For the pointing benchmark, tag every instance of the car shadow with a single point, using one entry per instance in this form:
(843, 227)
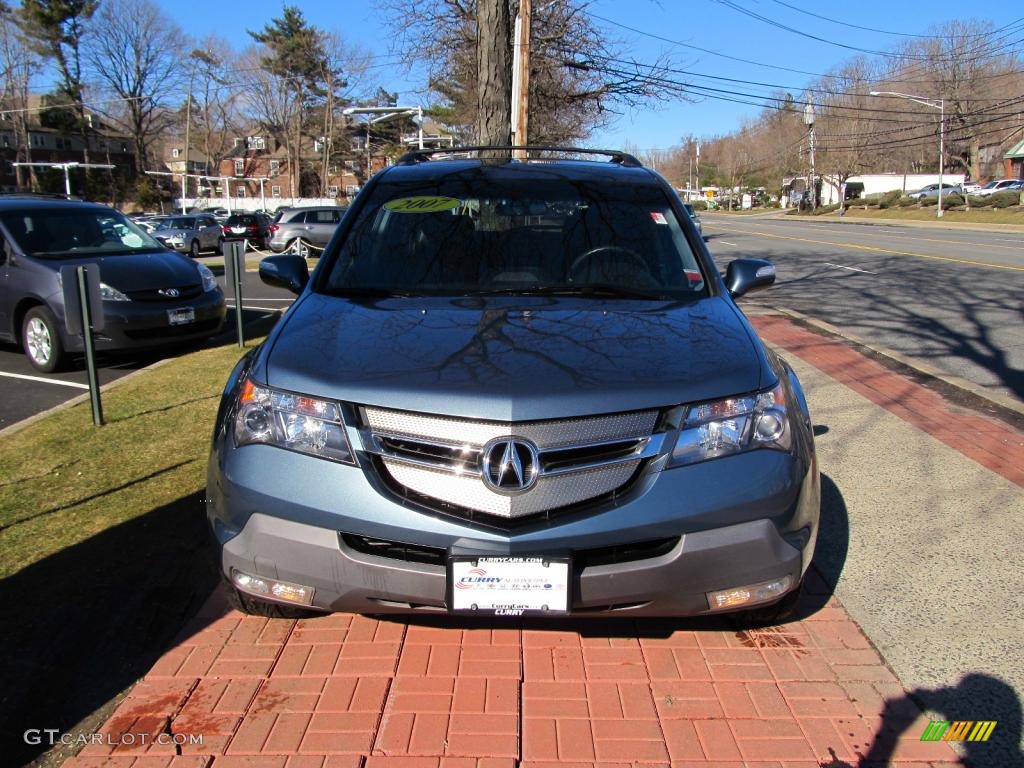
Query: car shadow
(85, 623)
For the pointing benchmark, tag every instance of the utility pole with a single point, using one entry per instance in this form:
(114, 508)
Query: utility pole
(939, 104)
(811, 181)
(521, 78)
(700, 193)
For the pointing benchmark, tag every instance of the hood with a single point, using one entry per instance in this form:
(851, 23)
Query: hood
(139, 271)
(513, 358)
(167, 234)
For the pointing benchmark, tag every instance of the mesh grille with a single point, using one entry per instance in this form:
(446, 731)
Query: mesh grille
(546, 435)
(549, 492)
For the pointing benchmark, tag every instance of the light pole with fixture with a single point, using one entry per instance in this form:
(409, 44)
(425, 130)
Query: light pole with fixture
(939, 104)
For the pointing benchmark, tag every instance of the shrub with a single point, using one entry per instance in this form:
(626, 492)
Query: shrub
(928, 202)
(951, 201)
(699, 205)
(980, 202)
(889, 199)
(1005, 199)
(906, 202)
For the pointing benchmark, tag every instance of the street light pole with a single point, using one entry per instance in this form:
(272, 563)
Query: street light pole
(939, 104)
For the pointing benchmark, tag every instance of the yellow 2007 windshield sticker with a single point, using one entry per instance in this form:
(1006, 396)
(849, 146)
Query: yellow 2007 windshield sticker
(424, 204)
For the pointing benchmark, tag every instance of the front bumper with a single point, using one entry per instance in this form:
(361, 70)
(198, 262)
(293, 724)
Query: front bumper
(145, 324)
(734, 521)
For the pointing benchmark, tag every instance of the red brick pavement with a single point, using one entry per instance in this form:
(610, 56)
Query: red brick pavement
(348, 691)
(988, 441)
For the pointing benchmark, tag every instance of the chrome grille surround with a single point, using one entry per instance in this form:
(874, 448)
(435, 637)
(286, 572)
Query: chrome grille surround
(579, 459)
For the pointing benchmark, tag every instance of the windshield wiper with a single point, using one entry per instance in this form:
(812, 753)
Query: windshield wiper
(586, 289)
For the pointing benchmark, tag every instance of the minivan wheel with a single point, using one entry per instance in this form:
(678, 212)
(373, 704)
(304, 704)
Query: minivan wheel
(193, 250)
(253, 606)
(41, 340)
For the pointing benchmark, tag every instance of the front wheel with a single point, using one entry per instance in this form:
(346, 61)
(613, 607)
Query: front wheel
(193, 250)
(40, 338)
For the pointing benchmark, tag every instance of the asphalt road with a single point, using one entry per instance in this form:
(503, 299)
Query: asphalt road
(951, 298)
(24, 391)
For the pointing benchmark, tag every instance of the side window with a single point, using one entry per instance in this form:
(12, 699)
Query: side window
(301, 217)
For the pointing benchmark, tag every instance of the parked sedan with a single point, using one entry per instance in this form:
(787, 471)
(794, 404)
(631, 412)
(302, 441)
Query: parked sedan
(151, 296)
(932, 190)
(299, 228)
(189, 234)
(999, 185)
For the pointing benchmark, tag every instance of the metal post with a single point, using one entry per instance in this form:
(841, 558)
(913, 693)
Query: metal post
(67, 179)
(236, 252)
(227, 193)
(90, 354)
(699, 193)
(942, 137)
(419, 117)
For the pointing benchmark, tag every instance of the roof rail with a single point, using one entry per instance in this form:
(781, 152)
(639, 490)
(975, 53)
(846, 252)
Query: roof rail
(614, 155)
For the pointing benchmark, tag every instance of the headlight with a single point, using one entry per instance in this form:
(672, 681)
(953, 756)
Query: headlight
(111, 294)
(296, 422)
(737, 424)
(209, 281)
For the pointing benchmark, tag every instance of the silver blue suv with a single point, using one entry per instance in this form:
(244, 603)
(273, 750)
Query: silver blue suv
(514, 388)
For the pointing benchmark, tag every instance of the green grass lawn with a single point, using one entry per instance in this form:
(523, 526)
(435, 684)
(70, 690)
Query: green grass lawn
(62, 480)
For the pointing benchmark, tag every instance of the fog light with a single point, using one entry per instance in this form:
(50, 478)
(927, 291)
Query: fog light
(280, 590)
(752, 594)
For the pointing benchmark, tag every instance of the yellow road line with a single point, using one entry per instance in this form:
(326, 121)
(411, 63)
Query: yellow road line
(872, 248)
(944, 242)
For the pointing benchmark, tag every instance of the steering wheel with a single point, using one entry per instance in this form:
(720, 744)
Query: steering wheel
(632, 271)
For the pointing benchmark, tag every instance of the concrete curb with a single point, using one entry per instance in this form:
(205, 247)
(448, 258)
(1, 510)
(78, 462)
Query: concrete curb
(17, 426)
(923, 369)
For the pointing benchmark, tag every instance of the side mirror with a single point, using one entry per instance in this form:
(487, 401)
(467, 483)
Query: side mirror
(746, 275)
(288, 271)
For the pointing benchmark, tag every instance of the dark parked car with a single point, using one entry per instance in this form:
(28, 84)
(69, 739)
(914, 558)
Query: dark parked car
(152, 296)
(254, 227)
(514, 388)
(304, 230)
(694, 217)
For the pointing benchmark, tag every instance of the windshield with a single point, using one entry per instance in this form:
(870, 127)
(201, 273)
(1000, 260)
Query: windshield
(518, 236)
(177, 222)
(234, 221)
(75, 232)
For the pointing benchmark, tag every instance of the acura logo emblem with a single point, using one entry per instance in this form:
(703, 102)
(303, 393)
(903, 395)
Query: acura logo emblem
(171, 293)
(510, 464)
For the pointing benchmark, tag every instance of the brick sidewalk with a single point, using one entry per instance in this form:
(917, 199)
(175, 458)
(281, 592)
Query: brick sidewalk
(349, 691)
(988, 441)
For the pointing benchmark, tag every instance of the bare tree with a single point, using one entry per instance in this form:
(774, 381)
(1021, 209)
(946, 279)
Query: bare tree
(133, 53)
(269, 102)
(580, 78)
(494, 70)
(18, 65)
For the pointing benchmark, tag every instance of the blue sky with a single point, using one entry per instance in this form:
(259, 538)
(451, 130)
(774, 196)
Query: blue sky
(708, 24)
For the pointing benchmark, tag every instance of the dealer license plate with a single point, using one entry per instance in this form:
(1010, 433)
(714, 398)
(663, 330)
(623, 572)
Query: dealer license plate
(181, 316)
(238, 230)
(509, 586)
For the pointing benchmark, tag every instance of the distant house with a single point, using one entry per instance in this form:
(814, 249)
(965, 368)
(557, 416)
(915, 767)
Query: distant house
(1013, 162)
(54, 145)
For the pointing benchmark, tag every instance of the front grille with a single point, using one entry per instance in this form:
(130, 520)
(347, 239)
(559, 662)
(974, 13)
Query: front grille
(393, 550)
(153, 294)
(624, 553)
(442, 461)
(581, 558)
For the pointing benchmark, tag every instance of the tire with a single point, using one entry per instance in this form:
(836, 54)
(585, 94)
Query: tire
(193, 249)
(220, 246)
(40, 338)
(253, 606)
(301, 247)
